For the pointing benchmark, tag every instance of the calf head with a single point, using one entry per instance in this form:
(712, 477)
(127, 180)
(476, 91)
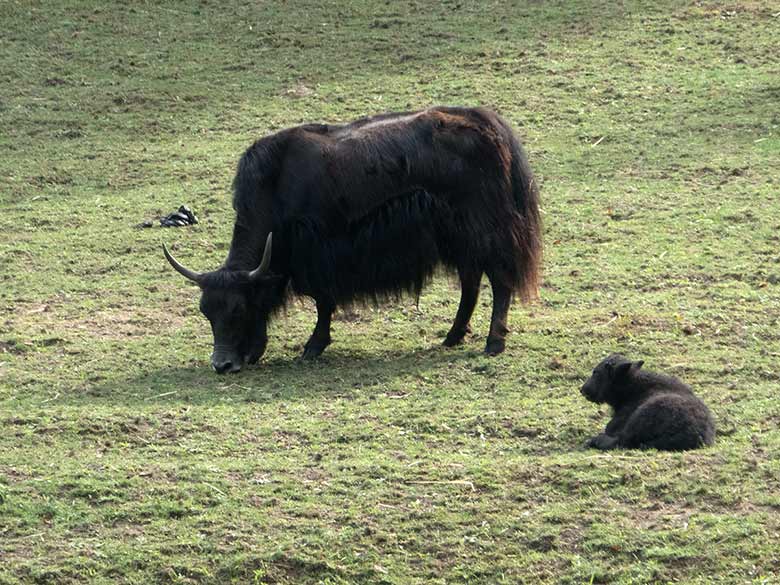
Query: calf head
(609, 379)
(237, 303)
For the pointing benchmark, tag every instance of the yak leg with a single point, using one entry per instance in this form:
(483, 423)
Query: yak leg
(469, 292)
(603, 441)
(320, 338)
(502, 298)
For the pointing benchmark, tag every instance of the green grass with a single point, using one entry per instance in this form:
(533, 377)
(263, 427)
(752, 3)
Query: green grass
(653, 128)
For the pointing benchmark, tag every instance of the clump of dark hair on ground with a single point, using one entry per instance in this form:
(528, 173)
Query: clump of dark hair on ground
(650, 411)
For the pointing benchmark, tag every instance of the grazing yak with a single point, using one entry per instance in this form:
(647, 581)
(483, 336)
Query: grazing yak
(368, 210)
(651, 411)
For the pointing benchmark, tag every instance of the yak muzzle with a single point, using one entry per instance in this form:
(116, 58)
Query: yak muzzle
(225, 367)
(223, 364)
(589, 393)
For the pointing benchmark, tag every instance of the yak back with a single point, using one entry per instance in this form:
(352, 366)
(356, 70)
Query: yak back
(341, 174)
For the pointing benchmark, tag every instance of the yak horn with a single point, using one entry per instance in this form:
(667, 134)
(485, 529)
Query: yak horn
(265, 262)
(181, 269)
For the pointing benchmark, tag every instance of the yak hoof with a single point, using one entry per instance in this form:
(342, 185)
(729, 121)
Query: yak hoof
(495, 346)
(455, 337)
(312, 351)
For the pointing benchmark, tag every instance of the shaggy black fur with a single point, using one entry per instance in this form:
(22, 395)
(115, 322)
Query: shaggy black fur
(650, 411)
(368, 210)
(393, 251)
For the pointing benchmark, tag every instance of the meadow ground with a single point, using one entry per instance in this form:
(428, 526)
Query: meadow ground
(653, 128)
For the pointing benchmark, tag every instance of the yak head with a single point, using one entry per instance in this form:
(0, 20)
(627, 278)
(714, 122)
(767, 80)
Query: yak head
(610, 379)
(237, 303)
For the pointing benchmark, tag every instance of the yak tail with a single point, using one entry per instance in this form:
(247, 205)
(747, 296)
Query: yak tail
(527, 227)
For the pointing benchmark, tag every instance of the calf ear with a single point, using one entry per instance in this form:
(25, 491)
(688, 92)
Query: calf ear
(622, 369)
(637, 365)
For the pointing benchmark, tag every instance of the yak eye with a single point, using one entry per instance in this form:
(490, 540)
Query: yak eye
(237, 309)
(210, 307)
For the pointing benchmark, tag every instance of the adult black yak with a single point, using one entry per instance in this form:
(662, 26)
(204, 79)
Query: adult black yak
(368, 210)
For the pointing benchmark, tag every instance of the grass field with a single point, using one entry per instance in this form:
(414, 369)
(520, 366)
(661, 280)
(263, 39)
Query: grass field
(654, 129)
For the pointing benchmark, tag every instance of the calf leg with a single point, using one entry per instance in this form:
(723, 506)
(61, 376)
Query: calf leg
(502, 298)
(469, 292)
(320, 338)
(603, 441)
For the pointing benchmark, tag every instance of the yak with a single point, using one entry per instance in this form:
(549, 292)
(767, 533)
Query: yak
(367, 211)
(650, 410)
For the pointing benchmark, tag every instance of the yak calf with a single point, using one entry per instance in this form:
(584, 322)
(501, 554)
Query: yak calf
(650, 411)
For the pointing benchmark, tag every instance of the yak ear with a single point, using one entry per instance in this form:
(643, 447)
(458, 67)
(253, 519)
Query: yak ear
(636, 366)
(621, 370)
